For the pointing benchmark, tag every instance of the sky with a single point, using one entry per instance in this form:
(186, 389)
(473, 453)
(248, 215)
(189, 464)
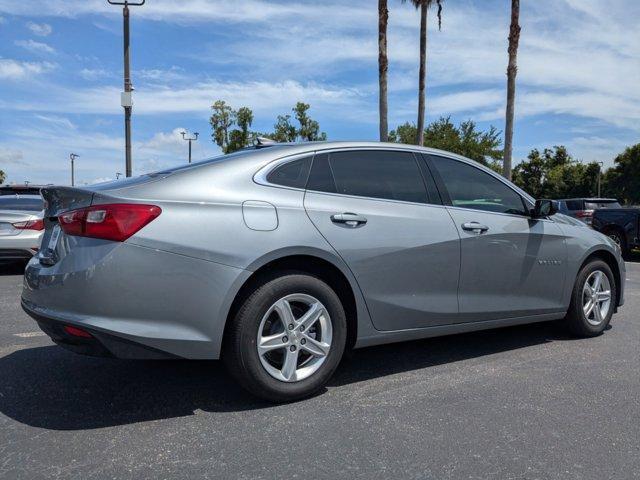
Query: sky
(61, 75)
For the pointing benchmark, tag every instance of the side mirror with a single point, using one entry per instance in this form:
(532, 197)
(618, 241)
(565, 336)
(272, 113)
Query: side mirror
(544, 208)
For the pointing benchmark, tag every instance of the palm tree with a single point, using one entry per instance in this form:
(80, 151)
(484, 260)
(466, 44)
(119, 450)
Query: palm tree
(512, 70)
(383, 64)
(424, 6)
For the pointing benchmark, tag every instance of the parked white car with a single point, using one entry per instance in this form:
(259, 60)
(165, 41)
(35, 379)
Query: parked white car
(21, 226)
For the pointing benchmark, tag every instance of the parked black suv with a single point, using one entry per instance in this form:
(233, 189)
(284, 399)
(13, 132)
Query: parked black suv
(583, 208)
(620, 224)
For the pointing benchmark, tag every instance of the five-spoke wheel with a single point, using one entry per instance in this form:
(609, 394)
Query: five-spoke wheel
(287, 337)
(596, 297)
(593, 299)
(294, 337)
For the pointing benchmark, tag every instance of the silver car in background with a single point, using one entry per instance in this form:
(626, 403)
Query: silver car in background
(21, 226)
(278, 258)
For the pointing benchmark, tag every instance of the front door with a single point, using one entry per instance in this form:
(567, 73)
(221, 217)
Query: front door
(511, 265)
(373, 208)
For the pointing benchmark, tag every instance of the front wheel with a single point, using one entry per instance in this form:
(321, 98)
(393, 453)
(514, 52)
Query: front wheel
(593, 300)
(287, 338)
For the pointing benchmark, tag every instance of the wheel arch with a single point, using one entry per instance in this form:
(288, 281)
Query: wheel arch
(311, 262)
(609, 258)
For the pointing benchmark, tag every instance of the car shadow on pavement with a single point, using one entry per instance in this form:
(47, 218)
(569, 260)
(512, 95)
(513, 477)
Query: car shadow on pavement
(48, 387)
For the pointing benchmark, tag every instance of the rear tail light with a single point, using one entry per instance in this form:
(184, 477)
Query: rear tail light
(117, 221)
(29, 225)
(76, 332)
(584, 214)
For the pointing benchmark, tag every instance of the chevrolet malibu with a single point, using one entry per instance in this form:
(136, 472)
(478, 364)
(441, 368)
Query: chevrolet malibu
(278, 258)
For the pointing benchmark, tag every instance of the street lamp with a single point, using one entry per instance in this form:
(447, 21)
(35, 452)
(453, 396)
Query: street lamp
(118, 175)
(190, 139)
(125, 97)
(73, 156)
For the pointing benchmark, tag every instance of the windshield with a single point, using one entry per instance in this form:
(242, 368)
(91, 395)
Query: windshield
(30, 204)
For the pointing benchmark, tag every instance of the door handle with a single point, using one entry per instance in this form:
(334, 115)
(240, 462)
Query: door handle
(474, 227)
(352, 220)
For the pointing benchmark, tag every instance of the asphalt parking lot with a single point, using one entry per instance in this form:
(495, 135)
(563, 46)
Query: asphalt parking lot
(523, 403)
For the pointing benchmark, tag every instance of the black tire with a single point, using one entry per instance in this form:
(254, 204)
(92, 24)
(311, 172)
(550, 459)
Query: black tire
(576, 319)
(240, 349)
(619, 237)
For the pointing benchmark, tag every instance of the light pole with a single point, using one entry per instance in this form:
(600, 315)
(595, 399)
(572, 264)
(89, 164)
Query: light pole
(601, 164)
(125, 97)
(190, 139)
(73, 156)
(118, 175)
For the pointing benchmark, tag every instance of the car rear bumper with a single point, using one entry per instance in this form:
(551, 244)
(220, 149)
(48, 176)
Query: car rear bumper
(97, 344)
(169, 304)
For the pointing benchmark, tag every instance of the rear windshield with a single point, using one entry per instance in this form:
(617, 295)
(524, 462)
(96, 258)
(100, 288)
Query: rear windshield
(597, 205)
(31, 204)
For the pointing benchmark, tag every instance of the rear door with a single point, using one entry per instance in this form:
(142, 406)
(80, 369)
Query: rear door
(374, 208)
(511, 265)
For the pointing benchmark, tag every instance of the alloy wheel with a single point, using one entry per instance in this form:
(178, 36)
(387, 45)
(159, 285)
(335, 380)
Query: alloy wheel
(596, 297)
(294, 337)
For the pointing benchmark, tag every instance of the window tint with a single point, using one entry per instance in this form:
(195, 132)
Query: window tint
(470, 187)
(32, 204)
(321, 178)
(291, 174)
(376, 174)
(574, 204)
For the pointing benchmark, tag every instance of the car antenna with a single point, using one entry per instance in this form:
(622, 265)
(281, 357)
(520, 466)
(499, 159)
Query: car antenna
(262, 142)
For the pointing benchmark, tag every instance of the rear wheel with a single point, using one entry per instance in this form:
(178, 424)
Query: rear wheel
(593, 300)
(287, 338)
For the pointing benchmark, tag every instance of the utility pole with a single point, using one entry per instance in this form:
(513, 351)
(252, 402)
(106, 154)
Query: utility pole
(125, 98)
(190, 139)
(73, 156)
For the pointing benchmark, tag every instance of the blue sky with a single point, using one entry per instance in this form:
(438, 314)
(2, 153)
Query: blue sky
(61, 74)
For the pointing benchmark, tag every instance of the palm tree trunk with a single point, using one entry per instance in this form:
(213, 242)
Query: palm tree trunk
(423, 73)
(383, 65)
(512, 70)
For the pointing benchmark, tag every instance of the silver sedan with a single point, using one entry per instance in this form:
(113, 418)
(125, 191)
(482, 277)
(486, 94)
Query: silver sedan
(21, 226)
(278, 258)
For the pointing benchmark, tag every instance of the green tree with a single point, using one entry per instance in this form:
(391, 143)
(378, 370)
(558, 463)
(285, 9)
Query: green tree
(3, 176)
(221, 121)
(309, 130)
(465, 140)
(223, 118)
(424, 6)
(554, 173)
(622, 181)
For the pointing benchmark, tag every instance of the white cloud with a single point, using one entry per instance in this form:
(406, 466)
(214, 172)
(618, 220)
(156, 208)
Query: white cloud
(40, 29)
(10, 156)
(35, 47)
(16, 70)
(93, 73)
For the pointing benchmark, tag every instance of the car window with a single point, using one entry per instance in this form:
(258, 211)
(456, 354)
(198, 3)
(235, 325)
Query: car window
(470, 187)
(30, 204)
(370, 173)
(574, 204)
(597, 205)
(291, 174)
